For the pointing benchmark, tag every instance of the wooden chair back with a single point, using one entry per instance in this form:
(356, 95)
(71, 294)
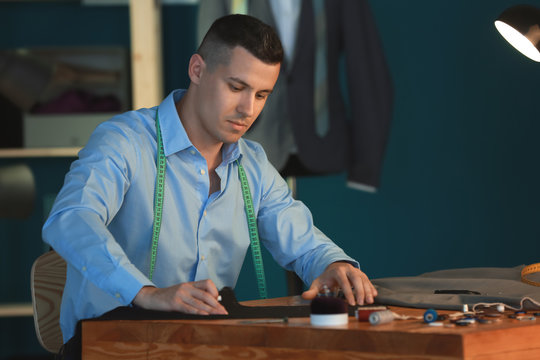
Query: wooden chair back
(48, 276)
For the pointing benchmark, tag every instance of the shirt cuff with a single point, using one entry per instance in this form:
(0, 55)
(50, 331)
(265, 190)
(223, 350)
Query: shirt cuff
(125, 283)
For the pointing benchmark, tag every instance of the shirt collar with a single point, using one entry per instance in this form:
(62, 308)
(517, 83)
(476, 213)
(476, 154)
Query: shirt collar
(230, 152)
(174, 135)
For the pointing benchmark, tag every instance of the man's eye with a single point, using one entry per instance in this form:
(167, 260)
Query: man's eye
(261, 96)
(234, 88)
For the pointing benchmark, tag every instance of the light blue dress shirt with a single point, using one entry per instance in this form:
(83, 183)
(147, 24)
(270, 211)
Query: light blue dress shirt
(101, 222)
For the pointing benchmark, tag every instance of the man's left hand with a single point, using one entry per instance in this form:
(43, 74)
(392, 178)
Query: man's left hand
(345, 276)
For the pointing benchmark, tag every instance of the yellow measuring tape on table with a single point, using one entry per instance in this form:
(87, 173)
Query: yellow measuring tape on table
(530, 269)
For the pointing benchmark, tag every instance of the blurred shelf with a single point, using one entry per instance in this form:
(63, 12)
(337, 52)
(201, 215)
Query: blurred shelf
(40, 152)
(16, 310)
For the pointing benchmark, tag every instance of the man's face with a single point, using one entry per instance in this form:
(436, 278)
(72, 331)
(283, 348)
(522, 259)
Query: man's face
(233, 95)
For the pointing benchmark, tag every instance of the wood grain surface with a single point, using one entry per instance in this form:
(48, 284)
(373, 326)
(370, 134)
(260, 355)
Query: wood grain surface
(235, 339)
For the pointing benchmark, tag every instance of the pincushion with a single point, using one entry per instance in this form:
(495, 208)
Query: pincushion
(329, 311)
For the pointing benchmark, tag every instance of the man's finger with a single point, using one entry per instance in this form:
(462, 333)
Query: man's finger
(346, 289)
(185, 307)
(211, 301)
(364, 289)
(312, 292)
(208, 286)
(360, 290)
(208, 293)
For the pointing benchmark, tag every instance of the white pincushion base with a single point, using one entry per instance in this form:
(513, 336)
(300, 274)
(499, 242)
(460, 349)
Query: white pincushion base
(329, 319)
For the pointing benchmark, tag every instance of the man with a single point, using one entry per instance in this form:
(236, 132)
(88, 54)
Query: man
(102, 220)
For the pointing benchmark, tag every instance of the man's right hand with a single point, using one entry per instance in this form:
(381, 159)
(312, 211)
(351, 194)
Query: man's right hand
(197, 297)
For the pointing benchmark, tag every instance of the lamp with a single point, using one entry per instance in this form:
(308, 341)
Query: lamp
(520, 26)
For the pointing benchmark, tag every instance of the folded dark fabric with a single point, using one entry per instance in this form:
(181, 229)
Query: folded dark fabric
(235, 310)
(451, 289)
(229, 301)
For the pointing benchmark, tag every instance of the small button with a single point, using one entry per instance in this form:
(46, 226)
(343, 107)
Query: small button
(192, 152)
(117, 295)
(203, 172)
(202, 258)
(84, 268)
(204, 213)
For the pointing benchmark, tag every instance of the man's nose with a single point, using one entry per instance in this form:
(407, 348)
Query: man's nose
(246, 105)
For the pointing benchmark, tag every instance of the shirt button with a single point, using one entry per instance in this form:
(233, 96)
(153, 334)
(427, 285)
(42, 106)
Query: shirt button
(192, 152)
(84, 268)
(203, 172)
(117, 295)
(202, 258)
(204, 213)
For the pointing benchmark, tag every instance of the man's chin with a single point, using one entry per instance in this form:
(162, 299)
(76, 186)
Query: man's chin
(231, 139)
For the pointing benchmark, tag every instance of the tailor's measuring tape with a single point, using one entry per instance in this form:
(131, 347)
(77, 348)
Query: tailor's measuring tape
(161, 166)
(253, 232)
(530, 269)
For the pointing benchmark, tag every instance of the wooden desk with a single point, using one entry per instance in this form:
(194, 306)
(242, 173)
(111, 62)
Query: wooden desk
(234, 339)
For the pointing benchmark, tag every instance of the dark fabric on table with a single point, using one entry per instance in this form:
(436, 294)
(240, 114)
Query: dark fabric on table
(484, 285)
(228, 300)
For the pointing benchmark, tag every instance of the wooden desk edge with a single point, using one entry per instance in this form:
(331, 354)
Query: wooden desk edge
(298, 339)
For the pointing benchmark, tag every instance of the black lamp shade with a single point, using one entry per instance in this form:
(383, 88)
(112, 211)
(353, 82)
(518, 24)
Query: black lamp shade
(520, 26)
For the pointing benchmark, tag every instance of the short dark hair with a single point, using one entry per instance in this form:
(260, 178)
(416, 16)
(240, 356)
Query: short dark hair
(246, 31)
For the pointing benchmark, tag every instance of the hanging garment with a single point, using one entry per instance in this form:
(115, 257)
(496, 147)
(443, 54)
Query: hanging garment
(356, 137)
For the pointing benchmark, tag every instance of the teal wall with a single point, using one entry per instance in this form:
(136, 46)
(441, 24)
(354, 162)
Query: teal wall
(460, 179)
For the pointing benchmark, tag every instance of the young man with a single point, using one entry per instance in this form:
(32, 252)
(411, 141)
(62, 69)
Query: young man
(102, 221)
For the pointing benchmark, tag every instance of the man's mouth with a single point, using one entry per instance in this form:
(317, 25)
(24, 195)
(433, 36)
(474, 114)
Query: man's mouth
(238, 124)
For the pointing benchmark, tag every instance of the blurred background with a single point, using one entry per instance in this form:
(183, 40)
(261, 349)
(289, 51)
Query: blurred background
(460, 177)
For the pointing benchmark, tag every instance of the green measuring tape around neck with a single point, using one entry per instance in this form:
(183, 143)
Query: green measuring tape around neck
(161, 166)
(253, 233)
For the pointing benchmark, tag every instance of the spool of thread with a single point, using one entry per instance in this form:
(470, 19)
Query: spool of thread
(381, 317)
(362, 313)
(430, 316)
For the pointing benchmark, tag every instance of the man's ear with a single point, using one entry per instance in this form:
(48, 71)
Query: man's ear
(196, 68)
